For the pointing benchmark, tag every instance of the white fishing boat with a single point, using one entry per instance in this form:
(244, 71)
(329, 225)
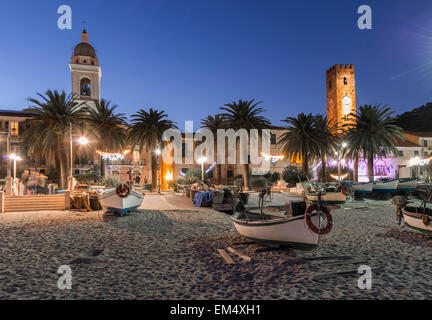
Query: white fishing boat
(385, 186)
(121, 199)
(416, 219)
(272, 230)
(407, 185)
(363, 188)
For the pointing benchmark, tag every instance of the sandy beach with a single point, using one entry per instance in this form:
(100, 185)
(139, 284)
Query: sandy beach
(166, 253)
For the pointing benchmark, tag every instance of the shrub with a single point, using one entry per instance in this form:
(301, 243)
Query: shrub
(88, 177)
(259, 182)
(291, 175)
(272, 177)
(193, 175)
(181, 180)
(111, 181)
(239, 183)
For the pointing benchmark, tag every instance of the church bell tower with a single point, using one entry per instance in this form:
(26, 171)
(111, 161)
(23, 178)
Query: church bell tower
(341, 97)
(86, 72)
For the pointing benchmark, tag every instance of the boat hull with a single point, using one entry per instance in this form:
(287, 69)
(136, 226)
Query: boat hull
(385, 186)
(290, 232)
(330, 197)
(111, 201)
(414, 221)
(363, 188)
(407, 185)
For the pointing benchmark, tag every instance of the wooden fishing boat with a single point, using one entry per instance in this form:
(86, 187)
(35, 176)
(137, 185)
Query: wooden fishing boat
(407, 185)
(121, 199)
(273, 230)
(363, 188)
(301, 230)
(329, 197)
(385, 186)
(419, 219)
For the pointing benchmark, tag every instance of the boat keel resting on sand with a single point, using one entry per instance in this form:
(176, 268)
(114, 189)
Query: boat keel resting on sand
(121, 199)
(300, 231)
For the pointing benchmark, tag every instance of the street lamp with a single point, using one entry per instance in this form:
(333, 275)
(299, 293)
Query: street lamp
(15, 158)
(81, 141)
(344, 145)
(202, 160)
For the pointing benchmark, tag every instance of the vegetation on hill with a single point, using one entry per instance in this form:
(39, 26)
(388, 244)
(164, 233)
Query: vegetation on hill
(417, 120)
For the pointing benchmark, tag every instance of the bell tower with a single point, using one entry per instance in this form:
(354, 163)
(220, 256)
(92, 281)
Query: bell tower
(86, 72)
(341, 98)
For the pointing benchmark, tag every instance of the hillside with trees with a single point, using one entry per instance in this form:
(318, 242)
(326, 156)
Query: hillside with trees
(418, 120)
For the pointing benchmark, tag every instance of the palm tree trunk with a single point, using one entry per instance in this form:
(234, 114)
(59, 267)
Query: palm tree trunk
(57, 166)
(370, 167)
(355, 169)
(324, 168)
(305, 164)
(103, 167)
(246, 176)
(154, 168)
(218, 167)
(63, 167)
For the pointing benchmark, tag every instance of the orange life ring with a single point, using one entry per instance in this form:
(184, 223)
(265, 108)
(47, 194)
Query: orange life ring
(312, 227)
(122, 190)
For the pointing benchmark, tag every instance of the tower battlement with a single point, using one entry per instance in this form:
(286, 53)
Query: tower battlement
(338, 67)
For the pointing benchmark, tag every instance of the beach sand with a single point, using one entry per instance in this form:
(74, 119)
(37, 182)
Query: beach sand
(171, 254)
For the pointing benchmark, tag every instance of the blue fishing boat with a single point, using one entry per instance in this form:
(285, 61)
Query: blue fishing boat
(385, 186)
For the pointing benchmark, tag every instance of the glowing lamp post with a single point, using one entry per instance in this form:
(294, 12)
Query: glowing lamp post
(15, 158)
(81, 141)
(201, 161)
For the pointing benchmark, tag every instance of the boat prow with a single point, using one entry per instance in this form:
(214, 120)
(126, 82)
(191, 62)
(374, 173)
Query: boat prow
(407, 185)
(110, 200)
(416, 219)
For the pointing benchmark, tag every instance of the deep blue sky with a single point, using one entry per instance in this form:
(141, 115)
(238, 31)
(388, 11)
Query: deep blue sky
(190, 57)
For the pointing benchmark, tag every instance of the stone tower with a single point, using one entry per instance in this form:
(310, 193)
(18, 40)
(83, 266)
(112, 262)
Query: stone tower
(86, 72)
(341, 98)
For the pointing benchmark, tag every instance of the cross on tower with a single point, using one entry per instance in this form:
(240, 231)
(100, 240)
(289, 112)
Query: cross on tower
(84, 24)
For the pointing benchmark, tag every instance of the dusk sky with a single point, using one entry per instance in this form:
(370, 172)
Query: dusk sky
(191, 57)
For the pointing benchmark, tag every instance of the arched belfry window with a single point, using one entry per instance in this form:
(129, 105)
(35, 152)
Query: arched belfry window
(85, 87)
(345, 81)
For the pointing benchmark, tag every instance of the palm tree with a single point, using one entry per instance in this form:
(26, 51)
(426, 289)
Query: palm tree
(373, 133)
(302, 138)
(108, 127)
(49, 128)
(244, 115)
(146, 130)
(213, 124)
(328, 140)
